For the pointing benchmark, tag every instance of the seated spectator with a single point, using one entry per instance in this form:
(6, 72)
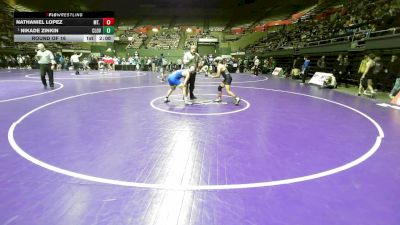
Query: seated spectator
(296, 68)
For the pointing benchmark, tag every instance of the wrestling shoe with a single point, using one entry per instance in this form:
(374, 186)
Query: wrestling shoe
(166, 100)
(237, 100)
(218, 100)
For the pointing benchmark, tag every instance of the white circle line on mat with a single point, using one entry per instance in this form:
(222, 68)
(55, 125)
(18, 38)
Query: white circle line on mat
(341, 168)
(33, 95)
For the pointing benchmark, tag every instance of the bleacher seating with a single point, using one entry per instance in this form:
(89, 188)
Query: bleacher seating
(334, 23)
(136, 40)
(165, 40)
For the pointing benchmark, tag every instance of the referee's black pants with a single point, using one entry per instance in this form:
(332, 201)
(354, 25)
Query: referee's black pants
(46, 68)
(304, 76)
(76, 67)
(191, 82)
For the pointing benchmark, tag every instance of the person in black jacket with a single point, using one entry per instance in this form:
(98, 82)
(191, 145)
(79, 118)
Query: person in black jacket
(337, 69)
(321, 64)
(394, 72)
(345, 70)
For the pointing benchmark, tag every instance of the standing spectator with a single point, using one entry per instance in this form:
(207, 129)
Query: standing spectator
(321, 64)
(213, 66)
(85, 65)
(162, 65)
(94, 63)
(28, 62)
(246, 64)
(378, 72)
(396, 73)
(62, 63)
(345, 70)
(148, 63)
(296, 68)
(116, 61)
(256, 65)
(2, 62)
(241, 66)
(337, 69)
(137, 61)
(271, 64)
(57, 59)
(67, 63)
(133, 62)
(304, 69)
(143, 61)
(179, 63)
(265, 66)
(153, 64)
(46, 64)
(20, 61)
(391, 71)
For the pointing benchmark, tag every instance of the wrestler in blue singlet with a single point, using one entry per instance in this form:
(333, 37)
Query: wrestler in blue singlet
(174, 79)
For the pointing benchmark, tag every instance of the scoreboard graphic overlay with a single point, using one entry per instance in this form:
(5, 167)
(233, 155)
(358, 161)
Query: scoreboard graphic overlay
(64, 27)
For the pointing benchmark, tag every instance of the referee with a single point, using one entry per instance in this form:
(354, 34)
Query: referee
(190, 61)
(47, 64)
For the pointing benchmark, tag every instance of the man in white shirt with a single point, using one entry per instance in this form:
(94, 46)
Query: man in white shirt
(162, 64)
(256, 65)
(47, 64)
(190, 61)
(75, 62)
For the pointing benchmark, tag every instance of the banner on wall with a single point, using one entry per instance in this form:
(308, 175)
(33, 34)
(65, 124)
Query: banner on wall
(238, 53)
(208, 40)
(72, 50)
(319, 78)
(278, 71)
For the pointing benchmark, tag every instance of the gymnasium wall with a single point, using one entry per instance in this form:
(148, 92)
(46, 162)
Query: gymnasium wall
(206, 49)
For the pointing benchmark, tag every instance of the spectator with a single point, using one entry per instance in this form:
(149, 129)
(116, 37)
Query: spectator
(296, 68)
(378, 72)
(256, 65)
(321, 64)
(345, 70)
(395, 71)
(271, 65)
(391, 71)
(305, 69)
(338, 69)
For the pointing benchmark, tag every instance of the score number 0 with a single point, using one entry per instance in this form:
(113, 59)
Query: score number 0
(108, 21)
